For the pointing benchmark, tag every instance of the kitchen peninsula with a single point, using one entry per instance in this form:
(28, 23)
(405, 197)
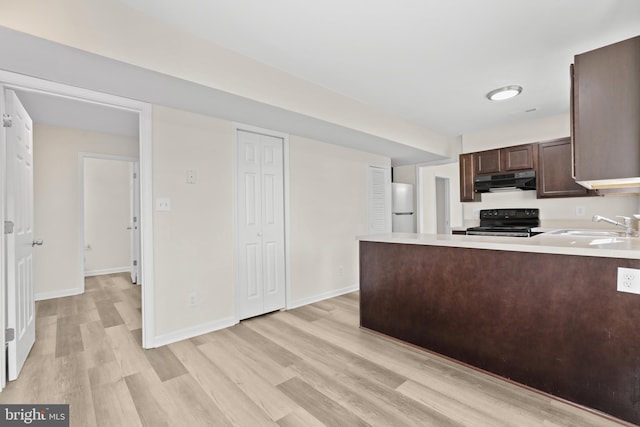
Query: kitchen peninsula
(542, 311)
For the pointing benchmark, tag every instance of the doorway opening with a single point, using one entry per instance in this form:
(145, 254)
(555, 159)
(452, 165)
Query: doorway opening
(443, 215)
(110, 209)
(89, 100)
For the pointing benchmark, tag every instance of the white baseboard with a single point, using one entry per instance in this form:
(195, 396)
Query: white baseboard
(193, 331)
(107, 271)
(323, 296)
(57, 294)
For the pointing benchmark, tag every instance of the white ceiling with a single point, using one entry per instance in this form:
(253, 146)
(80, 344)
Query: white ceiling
(429, 61)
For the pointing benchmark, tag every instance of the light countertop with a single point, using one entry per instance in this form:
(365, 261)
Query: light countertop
(608, 247)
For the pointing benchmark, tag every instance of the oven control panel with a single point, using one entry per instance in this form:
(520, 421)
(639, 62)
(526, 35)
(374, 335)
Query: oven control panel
(518, 213)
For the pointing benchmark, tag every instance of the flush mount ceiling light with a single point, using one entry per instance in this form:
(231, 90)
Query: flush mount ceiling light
(504, 93)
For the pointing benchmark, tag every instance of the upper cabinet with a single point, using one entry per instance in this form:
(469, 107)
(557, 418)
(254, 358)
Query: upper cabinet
(487, 162)
(519, 157)
(606, 115)
(467, 193)
(551, 160)
(554, 170)
(508, 159)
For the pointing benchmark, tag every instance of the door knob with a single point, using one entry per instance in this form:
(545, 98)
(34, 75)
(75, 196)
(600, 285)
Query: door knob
(36, 243)
(129, 228)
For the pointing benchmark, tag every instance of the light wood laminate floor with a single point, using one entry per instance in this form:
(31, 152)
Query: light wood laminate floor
(311, 366)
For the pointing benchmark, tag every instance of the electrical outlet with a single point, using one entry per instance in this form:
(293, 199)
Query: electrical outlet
(629, 280)
(340, 271)
(192, 176)
(580, 211)
(191, 299)
(163, 204)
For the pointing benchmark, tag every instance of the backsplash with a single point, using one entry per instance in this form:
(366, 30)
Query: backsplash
(554, 213)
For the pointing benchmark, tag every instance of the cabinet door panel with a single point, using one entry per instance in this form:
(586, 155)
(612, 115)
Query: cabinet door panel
(518, 158)
(487, 162)
(466, 178)
(554, 170)
(606, 107)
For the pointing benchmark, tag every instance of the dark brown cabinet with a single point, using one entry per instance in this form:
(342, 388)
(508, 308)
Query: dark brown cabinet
(519, 157)
(554, 170)
(487, 162)
(503, 160)
(550, 159)
(605, 112)
(466, 178)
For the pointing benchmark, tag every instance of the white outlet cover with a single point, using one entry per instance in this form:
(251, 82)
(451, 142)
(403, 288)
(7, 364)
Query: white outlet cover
(192, 176)
(629, 280)
(163, 204)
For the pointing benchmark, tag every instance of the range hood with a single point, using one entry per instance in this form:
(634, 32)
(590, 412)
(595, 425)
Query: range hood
(517, 181)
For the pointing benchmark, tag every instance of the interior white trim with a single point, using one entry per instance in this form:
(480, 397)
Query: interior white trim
(81, 224)
(56, 294)
(324, 296)
(144, 111)
(3, 282)
(287, 252)
(419, 199)
(194, 331)
(104, 271)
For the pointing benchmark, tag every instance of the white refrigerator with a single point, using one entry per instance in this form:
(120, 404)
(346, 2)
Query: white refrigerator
(402, 208)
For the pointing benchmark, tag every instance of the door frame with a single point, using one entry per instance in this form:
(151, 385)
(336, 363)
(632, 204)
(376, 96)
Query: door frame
(144, 110)
(446, 194)
(287, 242)
(81, 213)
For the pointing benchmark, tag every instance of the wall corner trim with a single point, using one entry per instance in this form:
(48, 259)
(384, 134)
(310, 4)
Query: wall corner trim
(193, 331)
(58, 294)
(323, 296)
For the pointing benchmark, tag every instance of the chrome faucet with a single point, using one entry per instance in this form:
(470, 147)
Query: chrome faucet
(626, 223)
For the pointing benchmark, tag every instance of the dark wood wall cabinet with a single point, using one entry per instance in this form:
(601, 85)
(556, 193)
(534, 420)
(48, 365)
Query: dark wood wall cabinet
(554, 171)
(467, 193)
(605, 112)
(552, 322)
(503, 160)
(550, 159)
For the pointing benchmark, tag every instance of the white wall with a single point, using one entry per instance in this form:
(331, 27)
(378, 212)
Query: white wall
(107, 212)
(553, 212)
(193, 242)
(113, 30)
(329, 208)
(56, 210)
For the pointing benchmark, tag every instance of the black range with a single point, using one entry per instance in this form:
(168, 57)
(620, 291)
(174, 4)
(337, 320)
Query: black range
(516, 222)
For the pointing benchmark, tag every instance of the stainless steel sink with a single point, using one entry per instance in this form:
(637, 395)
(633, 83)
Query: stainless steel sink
(588, 233)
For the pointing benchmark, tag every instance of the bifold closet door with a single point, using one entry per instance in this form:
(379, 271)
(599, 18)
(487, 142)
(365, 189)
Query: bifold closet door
(260, 223)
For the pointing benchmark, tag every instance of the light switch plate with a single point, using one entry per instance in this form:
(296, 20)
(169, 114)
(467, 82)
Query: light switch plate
(163, 204)
(629, 280)
(192, 176)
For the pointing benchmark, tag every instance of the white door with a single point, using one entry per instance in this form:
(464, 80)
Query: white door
(20, 286)
(379, 200)
(134, 226)
(261, 257)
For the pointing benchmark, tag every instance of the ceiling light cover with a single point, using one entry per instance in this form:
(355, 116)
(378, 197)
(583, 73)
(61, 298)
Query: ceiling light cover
(504, 93)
